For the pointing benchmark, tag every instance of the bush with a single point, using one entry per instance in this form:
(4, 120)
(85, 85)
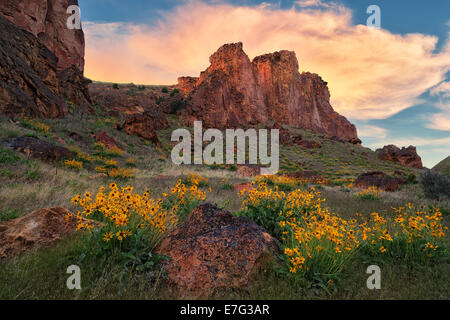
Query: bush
(164, 90)
(115, 86)
(435, 186)
(8, 214)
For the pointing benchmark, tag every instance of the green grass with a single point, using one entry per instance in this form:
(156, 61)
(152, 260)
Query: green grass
(27, 185)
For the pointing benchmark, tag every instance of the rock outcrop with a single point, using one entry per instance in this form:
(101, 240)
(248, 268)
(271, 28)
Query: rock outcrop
(145, 125)
(379, 180)
(29, 83)
(39, 228)
(47, 21)
(237, 92)
(38, 149)
(405, 156)
(214, 250)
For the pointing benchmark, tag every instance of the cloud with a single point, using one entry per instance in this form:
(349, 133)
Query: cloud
(314, 3)
(443, 89)
(440, 121)
(372, 131)
(371, 73)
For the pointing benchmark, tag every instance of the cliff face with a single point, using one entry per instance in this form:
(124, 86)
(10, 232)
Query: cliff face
(47, 21)
(234, 92)
(29, 83)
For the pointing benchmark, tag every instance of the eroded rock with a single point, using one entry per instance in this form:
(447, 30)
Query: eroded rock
(214, 250)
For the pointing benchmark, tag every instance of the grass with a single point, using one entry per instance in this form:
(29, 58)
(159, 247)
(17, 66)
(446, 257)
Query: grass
(27, 185)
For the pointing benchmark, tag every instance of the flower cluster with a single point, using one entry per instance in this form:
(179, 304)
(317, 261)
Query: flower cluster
(73, 164)
(36, 125)
(371, 193)
(314, 238)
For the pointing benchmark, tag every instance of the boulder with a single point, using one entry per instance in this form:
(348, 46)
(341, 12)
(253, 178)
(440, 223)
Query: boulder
(214, 250)
(145, 125)
(236, 92)
(405, 156)
(103, 137)
(378, 179)
(38, 149)
(39, 228)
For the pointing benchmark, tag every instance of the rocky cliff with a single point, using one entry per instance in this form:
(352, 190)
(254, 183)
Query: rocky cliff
(237, 92)
(29, 83)
(47, 21)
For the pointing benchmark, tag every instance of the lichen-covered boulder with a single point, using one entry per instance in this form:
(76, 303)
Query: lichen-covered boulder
(214, 250)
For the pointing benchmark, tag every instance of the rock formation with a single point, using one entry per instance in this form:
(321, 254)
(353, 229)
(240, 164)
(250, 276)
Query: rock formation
(29, 83)
(38, 149)
(41, 227)
(214, 250)
(145, 125)
(378, 179)
(47, 21)
(237, 92)
(405, 156)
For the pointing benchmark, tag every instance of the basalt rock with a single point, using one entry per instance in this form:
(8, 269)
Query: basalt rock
(47, 21)
(379, 180)
(145, 125)
(103, 137)
(405, 156)
(214, 250)
(237, 92)
(39, 228)
(38, 149)
(29, 84)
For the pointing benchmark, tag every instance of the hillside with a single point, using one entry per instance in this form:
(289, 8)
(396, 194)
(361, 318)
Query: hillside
(443, 167)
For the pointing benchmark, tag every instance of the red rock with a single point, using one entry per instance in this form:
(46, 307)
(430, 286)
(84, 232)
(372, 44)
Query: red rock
(405, 156)
(145, 125)
(214, 250)
(41, 227)
(379, 180)
(29, 83)
(47, 21)
(235, 92)
(103, 137)
(38, 149)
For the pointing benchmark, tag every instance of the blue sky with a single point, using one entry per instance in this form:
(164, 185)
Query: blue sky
(421, 119)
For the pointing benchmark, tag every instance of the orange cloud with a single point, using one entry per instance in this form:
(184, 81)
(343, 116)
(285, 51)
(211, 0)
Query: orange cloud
(371, 73)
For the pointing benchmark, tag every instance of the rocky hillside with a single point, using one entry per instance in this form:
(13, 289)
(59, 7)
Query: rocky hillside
(237, 92)
(46, 21)
(443, 167)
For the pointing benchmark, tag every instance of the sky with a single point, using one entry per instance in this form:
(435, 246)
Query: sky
(393, 83)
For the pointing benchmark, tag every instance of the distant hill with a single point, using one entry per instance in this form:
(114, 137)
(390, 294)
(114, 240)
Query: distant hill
(443, 166)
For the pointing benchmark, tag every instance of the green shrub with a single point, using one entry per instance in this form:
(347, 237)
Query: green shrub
(411, 179)
(115, 86)
(165, 90)
(435, 186)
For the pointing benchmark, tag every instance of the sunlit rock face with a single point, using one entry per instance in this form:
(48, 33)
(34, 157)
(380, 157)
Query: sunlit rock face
(237, 92)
